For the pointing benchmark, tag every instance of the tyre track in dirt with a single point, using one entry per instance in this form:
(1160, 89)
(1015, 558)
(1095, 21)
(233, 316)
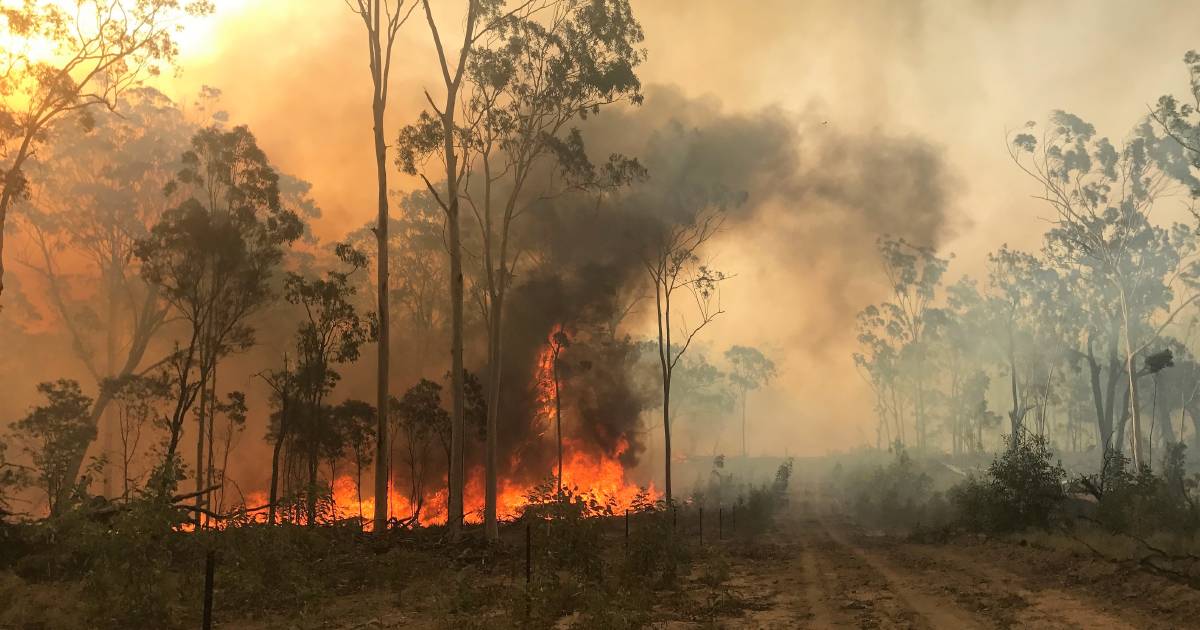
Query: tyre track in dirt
(786, 574)
(818, 569)
(813, 582)
(1015, 599)
(905, 601)
(964, 584)
(846, 588)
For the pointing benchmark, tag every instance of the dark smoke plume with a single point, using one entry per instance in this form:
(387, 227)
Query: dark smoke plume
(822, 194)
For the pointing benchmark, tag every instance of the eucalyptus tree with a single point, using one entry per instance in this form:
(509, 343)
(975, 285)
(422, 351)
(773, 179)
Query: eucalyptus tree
(751, 370)
(382, 19)
(52, 435)
(1024, 296)
(533, 74)
(878, 364)
(531, 78)
(355, 421)
(1101, 197)
(95, 195)
(98, 49)
(1180, 119)
(899, 329)
(672, 261)
(962, 344)
(283, 386)
(441, 133)
(330, 334)
(211, 259)
(1173, 371)
(421, 418)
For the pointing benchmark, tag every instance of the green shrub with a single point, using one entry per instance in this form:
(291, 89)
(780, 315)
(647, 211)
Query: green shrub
(1022, 489)
(657, 554)
(1141, 502)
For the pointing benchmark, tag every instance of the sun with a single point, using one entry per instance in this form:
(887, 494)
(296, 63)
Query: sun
(199, 38)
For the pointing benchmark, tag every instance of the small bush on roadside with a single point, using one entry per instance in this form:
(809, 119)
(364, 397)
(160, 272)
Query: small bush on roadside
(569, 526)
(756, 510)
(895, 497)
(1022, 489)
(656, 555)
(1142, 502)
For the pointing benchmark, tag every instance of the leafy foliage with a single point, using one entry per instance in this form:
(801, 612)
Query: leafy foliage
(1022, 489)
(53, 435)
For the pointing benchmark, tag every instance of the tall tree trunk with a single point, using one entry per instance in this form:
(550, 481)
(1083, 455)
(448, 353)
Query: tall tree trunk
(558, 420)
(495, 364)
(382, 397)
(458, 427)
(210, 475)
(1103, 422)
(662, 298)
(667, 435)
(1016, 417)
(1162, 415)
(200, 435)
(110, 367)
(1131, 370)
(1119, 440)
(743, 422)
(1193, 411)
(273, 497)
(311, 495)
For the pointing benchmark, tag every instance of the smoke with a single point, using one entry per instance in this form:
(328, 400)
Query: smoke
(819, 196)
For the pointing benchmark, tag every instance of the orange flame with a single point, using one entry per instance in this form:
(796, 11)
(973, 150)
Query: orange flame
(586, 471)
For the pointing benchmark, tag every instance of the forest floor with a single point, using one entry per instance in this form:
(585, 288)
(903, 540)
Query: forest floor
(817, 569)
(825, 572)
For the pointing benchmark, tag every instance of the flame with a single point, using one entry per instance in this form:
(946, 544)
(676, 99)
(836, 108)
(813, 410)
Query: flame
(587, 471)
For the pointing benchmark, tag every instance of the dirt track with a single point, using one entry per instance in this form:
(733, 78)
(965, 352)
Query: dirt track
(821, 571)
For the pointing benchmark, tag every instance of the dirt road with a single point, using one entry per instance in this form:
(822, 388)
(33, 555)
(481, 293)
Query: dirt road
(821, 571)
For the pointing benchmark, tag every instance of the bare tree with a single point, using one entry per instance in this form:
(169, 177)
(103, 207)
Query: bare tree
(138, 400)
(383, 19)
(673, 263)
(100, 50)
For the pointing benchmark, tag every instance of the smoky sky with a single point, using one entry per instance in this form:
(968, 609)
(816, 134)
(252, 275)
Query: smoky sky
(841, 121)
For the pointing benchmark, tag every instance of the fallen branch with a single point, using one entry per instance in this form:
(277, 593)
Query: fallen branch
(200, 510)
(191, 495)
(1147, 561)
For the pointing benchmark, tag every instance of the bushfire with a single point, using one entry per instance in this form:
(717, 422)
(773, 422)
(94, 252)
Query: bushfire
(588, 471)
